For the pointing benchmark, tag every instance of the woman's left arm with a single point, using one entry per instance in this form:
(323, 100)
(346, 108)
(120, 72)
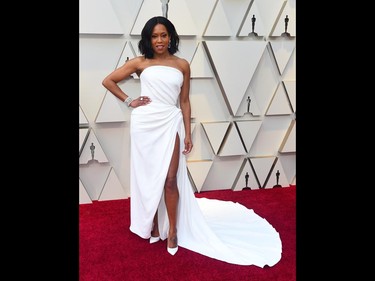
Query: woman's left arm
(185, 107)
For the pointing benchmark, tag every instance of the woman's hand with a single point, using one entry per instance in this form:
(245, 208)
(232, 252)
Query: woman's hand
(142, 100)
(188, 146)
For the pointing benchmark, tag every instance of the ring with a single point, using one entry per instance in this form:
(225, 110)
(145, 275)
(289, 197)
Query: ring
(141, 98)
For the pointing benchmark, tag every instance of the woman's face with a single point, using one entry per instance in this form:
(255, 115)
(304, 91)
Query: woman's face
(160, 39)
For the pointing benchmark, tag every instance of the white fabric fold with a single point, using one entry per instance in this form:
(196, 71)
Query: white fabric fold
(223, 230)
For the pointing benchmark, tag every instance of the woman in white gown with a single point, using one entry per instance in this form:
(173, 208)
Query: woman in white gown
(163, 204)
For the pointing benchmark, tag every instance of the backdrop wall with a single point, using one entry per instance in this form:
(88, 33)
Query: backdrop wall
(243, 91)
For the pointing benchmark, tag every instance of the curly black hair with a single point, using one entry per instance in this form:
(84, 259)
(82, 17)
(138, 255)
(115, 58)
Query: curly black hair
(144, 45)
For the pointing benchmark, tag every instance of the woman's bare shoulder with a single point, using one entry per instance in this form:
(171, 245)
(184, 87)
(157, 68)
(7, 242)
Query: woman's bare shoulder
(183, 64)
(137, 64)
(136, 60)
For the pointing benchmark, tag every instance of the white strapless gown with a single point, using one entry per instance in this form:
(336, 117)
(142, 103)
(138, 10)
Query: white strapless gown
(222, 230)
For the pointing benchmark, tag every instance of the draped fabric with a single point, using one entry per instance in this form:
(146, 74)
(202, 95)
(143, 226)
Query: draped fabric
(223, 230)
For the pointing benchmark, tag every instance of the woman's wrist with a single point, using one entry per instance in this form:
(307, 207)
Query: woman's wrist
(128, 101)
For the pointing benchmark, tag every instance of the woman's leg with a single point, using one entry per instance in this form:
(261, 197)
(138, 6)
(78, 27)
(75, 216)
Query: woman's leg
(171, 195)
(155, 226)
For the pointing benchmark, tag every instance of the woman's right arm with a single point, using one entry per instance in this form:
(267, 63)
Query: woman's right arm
(121, 73)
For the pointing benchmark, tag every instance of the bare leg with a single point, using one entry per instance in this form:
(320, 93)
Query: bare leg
(155, 226)
(171, 195)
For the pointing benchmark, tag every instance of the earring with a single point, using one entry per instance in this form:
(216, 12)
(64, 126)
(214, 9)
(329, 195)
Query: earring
(169, 44)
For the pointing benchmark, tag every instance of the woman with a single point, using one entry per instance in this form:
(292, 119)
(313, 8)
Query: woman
(163, 205)
(156, 127)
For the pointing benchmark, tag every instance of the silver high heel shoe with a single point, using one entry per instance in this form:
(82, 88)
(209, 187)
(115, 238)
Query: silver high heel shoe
(154, 239)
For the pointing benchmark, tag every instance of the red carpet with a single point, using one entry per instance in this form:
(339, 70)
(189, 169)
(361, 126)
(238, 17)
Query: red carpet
(108, 251)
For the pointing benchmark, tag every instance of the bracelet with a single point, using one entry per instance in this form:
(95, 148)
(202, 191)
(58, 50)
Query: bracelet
(128, 101)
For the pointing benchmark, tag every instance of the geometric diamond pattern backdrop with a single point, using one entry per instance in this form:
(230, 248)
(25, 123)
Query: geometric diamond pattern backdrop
(243, 94)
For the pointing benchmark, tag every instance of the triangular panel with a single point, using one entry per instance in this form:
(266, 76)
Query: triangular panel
(93, 177)
(84, 197)
(287, 20)
(98, 58)
(280, 103)
(288, 161)
(253, 19)
(229, 68)
(83, 122)
(289, 143)
(215, 132)
(289, 73)
(200, 65)
(198, 171)
(192, 128)
(207, 104)
(248, 106)
(218, 24)
(223, 173)
(248, 131)
(290, 87)
(270, 136)
(232, 144)
(92, 151)
(269, 11)
(282, 50)
(113, 189)
(262, 92)
(187, 49)
(98, 17)
(184, 24)
(83, 135)
(277, 177)
(111, 110)
(294, 180)
(246, 172)
(127, 54)
(262, 167)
